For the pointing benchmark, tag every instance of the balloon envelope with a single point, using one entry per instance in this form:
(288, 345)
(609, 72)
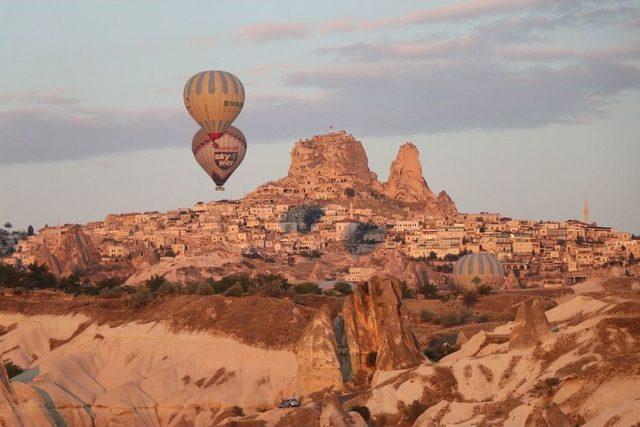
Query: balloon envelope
(220, 157)
(214, 100)
(479, 268)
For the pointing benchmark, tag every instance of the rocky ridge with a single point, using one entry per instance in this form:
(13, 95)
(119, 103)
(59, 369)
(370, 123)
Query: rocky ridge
(333, 165)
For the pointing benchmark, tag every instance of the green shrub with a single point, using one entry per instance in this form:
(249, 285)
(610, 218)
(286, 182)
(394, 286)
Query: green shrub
(470, 298)
(307, 288)
(154, 282)
(140, 298)
(204, 289)
(449, 319)
(343, 288)
(114, 292)
(407, 293)
(169, 288)
(429, 291)
(484, 289)
(234, 291)
(426, 315)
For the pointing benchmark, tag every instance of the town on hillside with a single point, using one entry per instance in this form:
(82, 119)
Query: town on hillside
(330, 204)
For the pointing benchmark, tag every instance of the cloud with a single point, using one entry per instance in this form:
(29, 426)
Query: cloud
(42, 135)
(516, 19)
(417, 99)
(266, 32)
(38, 98)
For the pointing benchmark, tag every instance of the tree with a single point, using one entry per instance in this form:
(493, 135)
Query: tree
(8, 225)
(307, 288)
(470, 298)
(234, 291)
(484, 289)
(154, 282)
(476, 281)
(30, 230)
(430, 291)
(350, 192)
(406, 292)
(432, 256)
(343, 288)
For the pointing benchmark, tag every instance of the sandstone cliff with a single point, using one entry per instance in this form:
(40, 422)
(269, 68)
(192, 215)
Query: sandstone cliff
(318, 365)
(66, 251)
(406, 182)
(377, 336)
(335, 166)
(330, 166)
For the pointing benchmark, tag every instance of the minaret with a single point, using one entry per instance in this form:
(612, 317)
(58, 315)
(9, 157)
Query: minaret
(585, 211)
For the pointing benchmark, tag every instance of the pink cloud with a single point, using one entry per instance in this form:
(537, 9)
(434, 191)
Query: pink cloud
(266, 32)
(535, 53)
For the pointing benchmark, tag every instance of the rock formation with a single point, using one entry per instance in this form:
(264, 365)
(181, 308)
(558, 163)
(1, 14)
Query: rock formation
(586, 373)
(13, 413)
(333, 415)
(445, 204)
(397, 265)
(335, 166)
(377, 336)
(336, 156)
(324, 167)
(532, 326)
(318, 365)
(65, 252)
(406, 182)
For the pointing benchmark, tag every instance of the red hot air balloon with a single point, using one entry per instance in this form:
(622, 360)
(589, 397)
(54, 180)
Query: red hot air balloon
(220, 157)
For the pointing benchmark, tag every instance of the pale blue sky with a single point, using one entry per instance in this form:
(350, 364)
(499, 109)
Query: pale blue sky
(518, 106)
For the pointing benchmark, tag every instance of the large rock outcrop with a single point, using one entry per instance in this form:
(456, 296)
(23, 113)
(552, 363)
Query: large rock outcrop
(377, 336)
(406, 182)
(446, 204)
(325, 167)
(16, 409)
(318, 364)
(65, 251)
(532, 327)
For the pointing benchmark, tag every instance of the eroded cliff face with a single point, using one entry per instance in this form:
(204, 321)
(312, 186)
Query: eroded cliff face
(67, 252)
(377, 336)
(335, 166)
(317, 355)
(406, 181)
(446, 204)
(332, 158)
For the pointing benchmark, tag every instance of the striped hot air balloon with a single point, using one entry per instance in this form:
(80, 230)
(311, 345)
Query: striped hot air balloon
(220, 157)
(475, 269)
(214, 100)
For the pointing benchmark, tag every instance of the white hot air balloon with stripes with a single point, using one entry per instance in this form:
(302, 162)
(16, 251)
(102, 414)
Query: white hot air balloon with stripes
(214, 100)
(219, 157)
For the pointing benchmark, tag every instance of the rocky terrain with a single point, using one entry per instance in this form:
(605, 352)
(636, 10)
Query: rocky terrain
(325, 166)
(406, 183)
(210, 360)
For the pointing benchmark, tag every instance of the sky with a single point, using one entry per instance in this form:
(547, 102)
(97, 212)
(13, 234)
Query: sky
(523, 107)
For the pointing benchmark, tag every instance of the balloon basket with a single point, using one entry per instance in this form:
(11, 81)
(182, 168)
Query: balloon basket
(219, 188)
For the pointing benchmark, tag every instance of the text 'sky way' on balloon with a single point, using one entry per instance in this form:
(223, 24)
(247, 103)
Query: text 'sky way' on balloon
(214, 100)
(219, 157)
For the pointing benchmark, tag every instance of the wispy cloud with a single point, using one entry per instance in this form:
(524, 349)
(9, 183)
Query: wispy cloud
(37, 98)
(267, 32)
